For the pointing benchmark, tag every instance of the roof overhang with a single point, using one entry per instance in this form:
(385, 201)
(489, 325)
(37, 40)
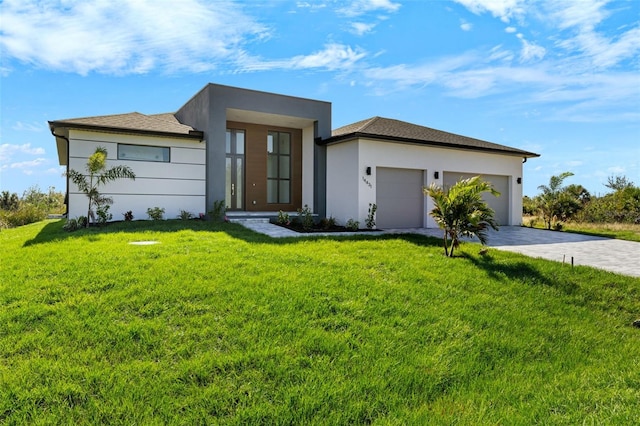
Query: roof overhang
(359, 135)
(193, 134)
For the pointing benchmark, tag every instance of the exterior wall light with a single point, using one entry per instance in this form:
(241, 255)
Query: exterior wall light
(436, 175)
(368, 170)
(519, 180)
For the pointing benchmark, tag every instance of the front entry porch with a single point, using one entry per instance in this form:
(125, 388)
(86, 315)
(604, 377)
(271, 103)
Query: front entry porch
(255, 216)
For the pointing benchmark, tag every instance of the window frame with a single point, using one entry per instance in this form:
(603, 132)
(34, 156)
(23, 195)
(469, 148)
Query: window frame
(279, 156)
(163, 148)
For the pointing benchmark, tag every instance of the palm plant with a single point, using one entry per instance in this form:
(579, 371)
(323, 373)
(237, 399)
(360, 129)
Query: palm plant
(97, 175)
(460, 211)
(553, 197)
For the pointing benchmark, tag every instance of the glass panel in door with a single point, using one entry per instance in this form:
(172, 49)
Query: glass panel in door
(234, 191)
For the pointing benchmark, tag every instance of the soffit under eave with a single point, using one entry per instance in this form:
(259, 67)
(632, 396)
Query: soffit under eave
(268, 119)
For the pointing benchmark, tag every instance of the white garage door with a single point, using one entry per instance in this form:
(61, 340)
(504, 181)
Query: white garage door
(499, 204)
(399, 198)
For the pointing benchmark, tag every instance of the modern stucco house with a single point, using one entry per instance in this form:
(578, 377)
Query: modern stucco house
(265, 152)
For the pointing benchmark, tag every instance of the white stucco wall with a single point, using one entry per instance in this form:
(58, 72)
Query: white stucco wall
(343, 182)
(174, 186)
(350, 195)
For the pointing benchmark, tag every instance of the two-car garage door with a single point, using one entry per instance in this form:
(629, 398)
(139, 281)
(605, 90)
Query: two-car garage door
(401, 202)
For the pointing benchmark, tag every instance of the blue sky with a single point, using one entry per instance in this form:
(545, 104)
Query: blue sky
(559, 78)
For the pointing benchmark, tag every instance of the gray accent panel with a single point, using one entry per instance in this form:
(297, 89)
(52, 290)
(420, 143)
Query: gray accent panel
(207, 112)
(499, 204)
(399, 198)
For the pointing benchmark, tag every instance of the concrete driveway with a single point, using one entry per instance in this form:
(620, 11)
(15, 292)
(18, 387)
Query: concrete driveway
(618, 256)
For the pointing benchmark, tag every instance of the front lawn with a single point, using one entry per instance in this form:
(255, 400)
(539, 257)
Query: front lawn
(215, 324)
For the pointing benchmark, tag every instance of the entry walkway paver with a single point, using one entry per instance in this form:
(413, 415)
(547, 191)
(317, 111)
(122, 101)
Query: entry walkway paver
(618, 256)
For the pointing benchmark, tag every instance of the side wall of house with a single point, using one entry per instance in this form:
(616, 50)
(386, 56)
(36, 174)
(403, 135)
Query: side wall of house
(343, 182)
(376, 154)
(175, 185)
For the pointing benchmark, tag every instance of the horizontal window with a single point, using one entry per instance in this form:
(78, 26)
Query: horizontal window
(160, 154)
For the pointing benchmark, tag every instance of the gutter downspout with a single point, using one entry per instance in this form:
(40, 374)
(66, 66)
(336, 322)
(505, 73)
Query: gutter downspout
(66, 192)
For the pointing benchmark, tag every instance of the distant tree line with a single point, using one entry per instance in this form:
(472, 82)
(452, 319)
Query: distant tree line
(557, 203)
(33, 206)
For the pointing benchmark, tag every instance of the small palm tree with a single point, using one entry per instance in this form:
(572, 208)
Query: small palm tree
(552, 197)
(98, 174)
(461, 212)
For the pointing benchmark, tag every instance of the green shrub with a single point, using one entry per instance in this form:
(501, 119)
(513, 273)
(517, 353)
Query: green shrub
(185, 215)
(352, 225)
(71, 225)
(305, 217)
(103, 214)
(370, 222)
(155, 213)
(217, 213)
(283, 218)
(128, 216)
(24, 215)
(328, 222)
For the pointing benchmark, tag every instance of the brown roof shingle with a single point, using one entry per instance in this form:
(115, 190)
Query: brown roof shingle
(134, 121)
(401, 131)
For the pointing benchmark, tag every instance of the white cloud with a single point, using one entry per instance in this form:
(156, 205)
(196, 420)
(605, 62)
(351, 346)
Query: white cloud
(333, 57)
(582, 19)
(313, 7)
(403, 75)
(31, 127)
(7, 151)
(510, 30)
(26, 166)
(56, 171)
(616, 169)
(361, 7)
(465, 26)
(503, 9)
(530, 51)
(361, 28)
(120, 37)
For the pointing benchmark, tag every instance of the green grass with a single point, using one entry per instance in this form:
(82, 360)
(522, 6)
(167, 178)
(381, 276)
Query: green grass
(619, 231)
(219, 325)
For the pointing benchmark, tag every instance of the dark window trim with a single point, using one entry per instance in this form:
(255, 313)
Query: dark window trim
(145, 146)
(279, 179)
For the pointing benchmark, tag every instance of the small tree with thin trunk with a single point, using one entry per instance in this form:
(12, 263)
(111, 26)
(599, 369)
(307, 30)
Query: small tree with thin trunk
(460, 211)
(97, 175)
(555, 202)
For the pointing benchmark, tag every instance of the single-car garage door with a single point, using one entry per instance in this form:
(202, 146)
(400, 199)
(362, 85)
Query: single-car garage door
(499, 204)
(399, 198)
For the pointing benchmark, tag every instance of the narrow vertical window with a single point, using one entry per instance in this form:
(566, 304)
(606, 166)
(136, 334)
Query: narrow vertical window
(278, 168)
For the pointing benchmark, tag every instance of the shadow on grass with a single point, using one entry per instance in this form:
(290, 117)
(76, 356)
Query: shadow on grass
(53, 231)
(521, 271)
